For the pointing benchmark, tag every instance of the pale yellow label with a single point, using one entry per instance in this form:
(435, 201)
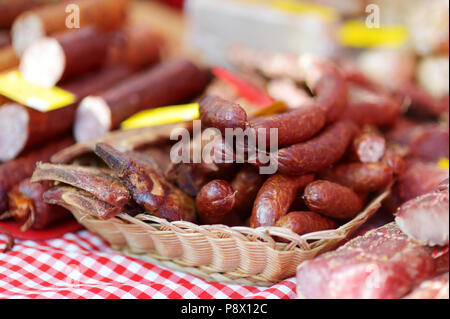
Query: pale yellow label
(443, 163)
(162, 115)
(357, 34)
(14, 87)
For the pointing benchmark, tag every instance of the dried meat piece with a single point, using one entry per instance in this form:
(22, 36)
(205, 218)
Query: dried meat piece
(148, 187)
(381, 264)
(95, 181)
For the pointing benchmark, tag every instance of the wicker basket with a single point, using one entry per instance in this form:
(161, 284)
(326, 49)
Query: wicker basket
(239, 255)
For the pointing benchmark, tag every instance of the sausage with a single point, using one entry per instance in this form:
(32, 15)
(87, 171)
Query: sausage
(333, 200)
(369, 147)
(221, 114)
(425, 219)
(13, 172)
(70, 198)
(305, 222)
(147, 187)
(246, 183)
(321, 76)
(22, 127)
(318, 153)
(428, 142)
(371, 105)
(421, 103)
(124, 140)
(134, 44)
(49, 60)
(382, 264)
(39, 22)
(215, 201)
(10, 9)
(168, 83)
(327, 83)
(97, 182)
(27, 206)
(293, 126)
(275, 197)
(8, 59)
(418, 179)
(360, 177)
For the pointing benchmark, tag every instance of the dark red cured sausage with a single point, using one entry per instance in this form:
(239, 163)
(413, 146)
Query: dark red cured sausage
(275, 198)
(246, 183)
(169, 83)
(13, 172)
(27, 206)
(318, 153)
(366, 177)
(294, 126)
(49, 60)
(305, 222)
(333, 200)
(221, 114)
(46, 20)
(370, 105)
(215, 201)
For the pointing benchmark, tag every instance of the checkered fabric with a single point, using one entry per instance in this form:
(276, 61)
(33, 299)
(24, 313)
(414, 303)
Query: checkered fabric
(82, 265)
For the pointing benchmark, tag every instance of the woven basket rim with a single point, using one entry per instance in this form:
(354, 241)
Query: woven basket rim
(306, 246)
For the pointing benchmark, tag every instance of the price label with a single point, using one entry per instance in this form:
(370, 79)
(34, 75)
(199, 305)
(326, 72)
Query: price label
(357, 34)
(15, 87)
(162, 115)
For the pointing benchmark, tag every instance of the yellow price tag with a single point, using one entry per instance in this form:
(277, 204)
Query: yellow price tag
(14, 87)
(357, 34)
(443, 163)
(162, 115)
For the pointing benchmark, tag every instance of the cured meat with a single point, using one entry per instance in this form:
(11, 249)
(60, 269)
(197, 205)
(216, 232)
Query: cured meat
(435, 288)
(27, 206)
(148, 188)
(166, 84)
(275, 197)
(22, 127)
(70, 197)
(97, 182)
(305, 222)
(418, 179)
(13, 172)
(39, 22)
(425, 219)
(381, 264)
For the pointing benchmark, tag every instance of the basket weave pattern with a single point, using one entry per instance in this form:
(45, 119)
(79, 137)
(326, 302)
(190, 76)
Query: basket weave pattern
(240, 255)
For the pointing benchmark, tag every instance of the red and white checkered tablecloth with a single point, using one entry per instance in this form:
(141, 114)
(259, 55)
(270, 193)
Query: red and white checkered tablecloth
(82, 265)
